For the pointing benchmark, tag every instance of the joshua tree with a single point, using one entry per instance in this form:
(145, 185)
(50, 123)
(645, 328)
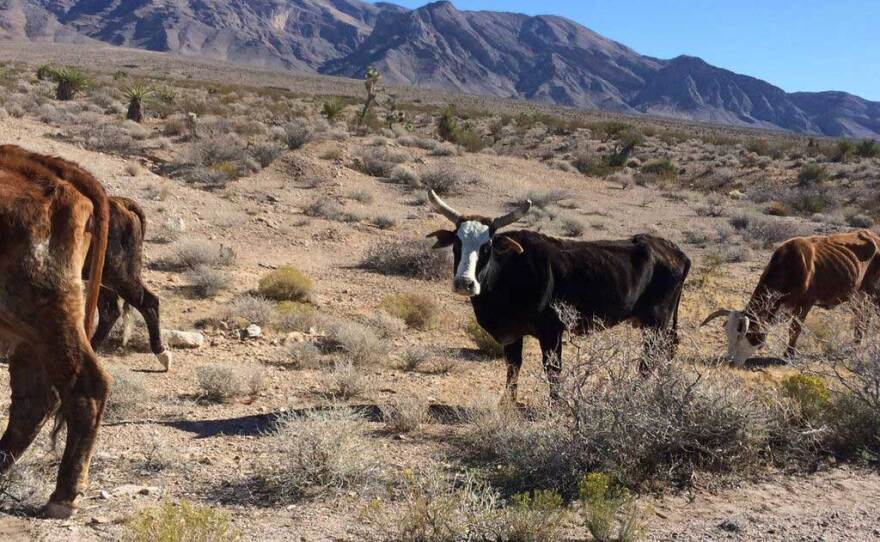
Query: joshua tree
(371, 83)
(71, 81)
(136, 94)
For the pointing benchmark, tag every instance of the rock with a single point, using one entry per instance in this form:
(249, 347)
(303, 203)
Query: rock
(134, 489)
(252, 332)
(736, 194)
(294, 337)
(729, 525)
(104, 494)
(184, 339)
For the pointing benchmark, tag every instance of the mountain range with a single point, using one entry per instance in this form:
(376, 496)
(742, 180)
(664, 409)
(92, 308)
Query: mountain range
(543, 58)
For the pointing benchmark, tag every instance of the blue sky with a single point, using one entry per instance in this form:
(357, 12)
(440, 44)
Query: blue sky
(806, 45)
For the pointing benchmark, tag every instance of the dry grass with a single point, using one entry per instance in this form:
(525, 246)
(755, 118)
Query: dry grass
(412, 259)
(405, 414)
(285, 284)
(225, 383)
(419, 311)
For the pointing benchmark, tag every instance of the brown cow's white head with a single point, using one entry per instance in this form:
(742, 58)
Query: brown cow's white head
(475, 242)
(741, 332)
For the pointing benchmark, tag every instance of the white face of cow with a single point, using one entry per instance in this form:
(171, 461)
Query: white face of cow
(739, 348)
(473, 236)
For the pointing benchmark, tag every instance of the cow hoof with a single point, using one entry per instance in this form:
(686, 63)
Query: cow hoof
(164, 358)
(58, 510)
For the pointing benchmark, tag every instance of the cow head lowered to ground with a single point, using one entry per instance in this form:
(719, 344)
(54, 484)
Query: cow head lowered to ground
(743, 335)
(475, 242)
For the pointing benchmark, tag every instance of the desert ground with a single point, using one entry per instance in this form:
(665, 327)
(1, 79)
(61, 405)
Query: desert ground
(263, 178)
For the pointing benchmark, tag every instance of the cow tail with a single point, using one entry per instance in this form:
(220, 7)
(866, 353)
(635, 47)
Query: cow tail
(687, 269)
(142, 217)
(100, 231)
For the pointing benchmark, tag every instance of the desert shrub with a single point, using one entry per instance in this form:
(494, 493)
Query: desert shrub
(24, 487)
(610, 513)
(542, 199)
(401, 174)
(207, 282)
(223, 383)
(867, 148)
(296, 316)
(450, 129)
(320, 450)
(215, 149)
(264, 153)
(843, 151)
(485, 342)
(592, 165)
(180, 522)
(445, 180)
(384, 222)
(767, 231)
(407, 259)
(192, 254)
(354, 342)
(296, 133)
(70, 80)
(404, 414)
(347, 381)
(380, 162)
(571, 227)
(809, 201)
(129, 395)
(419, 311)
(414, 358)
(810, 393)
(304, 355)
(332, 109)
(812, 174)
(285, 284)
(362, 195)
(112, 139)
(252, 309)
(324, 207)
(661, 168)
(466, 508)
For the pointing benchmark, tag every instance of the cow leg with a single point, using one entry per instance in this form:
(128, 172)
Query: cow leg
(108, 313)
(33, 402)
(795, 328)
(513, 357)
(140, 297)
(551, 356)
(84, 387)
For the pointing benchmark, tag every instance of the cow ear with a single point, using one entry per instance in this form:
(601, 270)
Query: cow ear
(505, 244)
(445, 238)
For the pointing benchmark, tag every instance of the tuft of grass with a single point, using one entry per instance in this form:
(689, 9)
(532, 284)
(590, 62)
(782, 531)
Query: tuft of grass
(207, 282)
(354, 342)
(285, 284)
(405, 414)
(192, 254)
(129, 395)
(180, 522)
(610, 513)
(296, 134)
(661, 168)
(447, 180)
(419, 311)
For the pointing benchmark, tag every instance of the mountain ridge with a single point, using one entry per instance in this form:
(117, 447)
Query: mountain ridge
(544, 58)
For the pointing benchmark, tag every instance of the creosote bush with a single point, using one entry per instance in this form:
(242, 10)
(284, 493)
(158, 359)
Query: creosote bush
(354, 342)
(610, 513)
(285, 284)
(180, 522)
(192, 254)
(405, 414)
(419, 311)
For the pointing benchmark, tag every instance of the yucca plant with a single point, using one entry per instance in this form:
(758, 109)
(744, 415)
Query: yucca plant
(371, 84)
(136, 94)
(71, 81)
(46, 72)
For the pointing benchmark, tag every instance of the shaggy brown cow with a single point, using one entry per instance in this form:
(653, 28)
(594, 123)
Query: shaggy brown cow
(46, 226)
(803, 272)
(122, 278)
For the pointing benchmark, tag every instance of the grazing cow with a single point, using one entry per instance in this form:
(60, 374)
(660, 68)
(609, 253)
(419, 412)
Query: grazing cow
(122, 279)
(823, 270)
(47, 223)
(515, 279)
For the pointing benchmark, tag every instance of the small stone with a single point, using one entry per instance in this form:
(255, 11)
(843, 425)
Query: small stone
(184, 339)
(104, 494)
(252, 332)
(729, 525)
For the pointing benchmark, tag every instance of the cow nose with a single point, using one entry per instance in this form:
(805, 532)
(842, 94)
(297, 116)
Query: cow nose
(464, 286)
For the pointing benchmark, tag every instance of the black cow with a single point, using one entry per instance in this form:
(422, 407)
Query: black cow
(516, 279)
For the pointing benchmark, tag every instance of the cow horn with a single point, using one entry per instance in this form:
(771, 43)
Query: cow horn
(444, 209)
(716, 314)
(512, 216)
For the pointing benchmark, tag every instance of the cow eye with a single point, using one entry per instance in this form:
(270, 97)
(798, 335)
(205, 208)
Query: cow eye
(485, 249)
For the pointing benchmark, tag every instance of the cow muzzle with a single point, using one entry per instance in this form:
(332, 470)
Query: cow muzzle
(465, 286)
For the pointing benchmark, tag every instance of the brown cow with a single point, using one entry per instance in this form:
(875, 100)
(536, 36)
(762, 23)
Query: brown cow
(46, 226)
(122, 278)
(803, 272)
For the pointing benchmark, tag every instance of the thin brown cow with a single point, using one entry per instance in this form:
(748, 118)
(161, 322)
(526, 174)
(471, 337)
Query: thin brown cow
(804, 272)
(47, 224)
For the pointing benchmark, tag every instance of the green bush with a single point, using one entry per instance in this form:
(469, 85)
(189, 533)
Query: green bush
(610, 513)
(449, 129)
(417, 310)
(843, 151)
(180, 522)
(285, 284)
(812, 174)
(485, 342)
(333, 108)
(867, 148)
(810, 393)
(71, 81)
(661, 168)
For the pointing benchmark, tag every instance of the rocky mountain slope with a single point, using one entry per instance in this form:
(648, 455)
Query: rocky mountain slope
(543, 58)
